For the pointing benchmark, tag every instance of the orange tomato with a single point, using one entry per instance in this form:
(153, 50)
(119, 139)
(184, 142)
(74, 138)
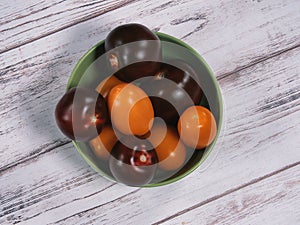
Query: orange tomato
(130, 109)
(106, 85)
(197, 127)
(104, 142)
(170, 150)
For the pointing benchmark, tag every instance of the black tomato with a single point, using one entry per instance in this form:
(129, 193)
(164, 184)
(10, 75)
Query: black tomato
(173, 90)
(133, 161)
(81, 114)
(135, 60)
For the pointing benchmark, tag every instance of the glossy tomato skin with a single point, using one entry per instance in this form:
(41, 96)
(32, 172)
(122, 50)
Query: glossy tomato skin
(173, 88)
(170, 150)
(197, 127)
(131, 62)
(81, 114)
(104, 142)
(133, 161)
(185, 77)
(106, 85)
(130, 109)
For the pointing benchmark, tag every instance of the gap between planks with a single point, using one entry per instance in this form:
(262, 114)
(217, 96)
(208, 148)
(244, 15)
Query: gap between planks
(83, 198)
(88, 17)
(230, 191)
(69, 52)
(84, 211)
(34, 155)
(256, 61)
(238, 69)
(253, 181)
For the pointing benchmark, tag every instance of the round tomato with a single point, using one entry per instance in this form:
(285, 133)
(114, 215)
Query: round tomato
(170, 150)
(106, 85)
(197, 127)
(130, 109)
(104, 142)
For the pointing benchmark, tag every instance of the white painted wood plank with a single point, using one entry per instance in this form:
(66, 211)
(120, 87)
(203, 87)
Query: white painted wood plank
(31, 20)
(250, 152)
(57, 178)
(33, 76)
(273, 201)
(266, 26)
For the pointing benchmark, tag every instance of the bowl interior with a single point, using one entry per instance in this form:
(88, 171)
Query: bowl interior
(209, 85)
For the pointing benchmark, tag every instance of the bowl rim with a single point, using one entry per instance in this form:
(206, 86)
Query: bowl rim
(208, 150)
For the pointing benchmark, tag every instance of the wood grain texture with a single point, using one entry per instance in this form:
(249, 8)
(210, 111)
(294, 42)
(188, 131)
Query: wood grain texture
(43, 179)
(41, 68)
(258, 124)
(245, 155)
(23, 23)
(272, 201)
(60, 178)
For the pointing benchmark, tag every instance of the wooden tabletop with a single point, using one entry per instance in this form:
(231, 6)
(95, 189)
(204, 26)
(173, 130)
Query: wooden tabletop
(253, 175)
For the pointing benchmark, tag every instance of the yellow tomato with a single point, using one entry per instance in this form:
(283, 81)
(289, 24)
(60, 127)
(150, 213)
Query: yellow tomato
(106, 85)
(170, 150)
(130, 109)
(104, 142)
(197, 127)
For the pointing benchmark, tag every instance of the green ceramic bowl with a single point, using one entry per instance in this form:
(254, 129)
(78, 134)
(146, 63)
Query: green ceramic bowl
(209, 85)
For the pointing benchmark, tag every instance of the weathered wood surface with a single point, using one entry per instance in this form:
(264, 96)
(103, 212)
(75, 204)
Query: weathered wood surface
(271, 201)
(32, 20)
(250, 31)
(253, 48)
(259, 139)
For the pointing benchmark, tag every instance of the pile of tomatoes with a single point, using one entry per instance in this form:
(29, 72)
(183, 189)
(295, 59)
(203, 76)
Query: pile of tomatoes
(118, 119)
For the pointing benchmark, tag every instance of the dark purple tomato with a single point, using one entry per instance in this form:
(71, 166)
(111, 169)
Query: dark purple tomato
(173, 90)
(133, 161)
(81, 114)
(135, 60)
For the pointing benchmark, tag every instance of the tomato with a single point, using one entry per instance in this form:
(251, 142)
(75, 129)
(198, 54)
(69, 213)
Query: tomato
(81, 114)
(170, 150)
(130, 109)
(133, 161)
(197, 127)
(173, 90)
(104, 142)
(136, 60)
(106, 85)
